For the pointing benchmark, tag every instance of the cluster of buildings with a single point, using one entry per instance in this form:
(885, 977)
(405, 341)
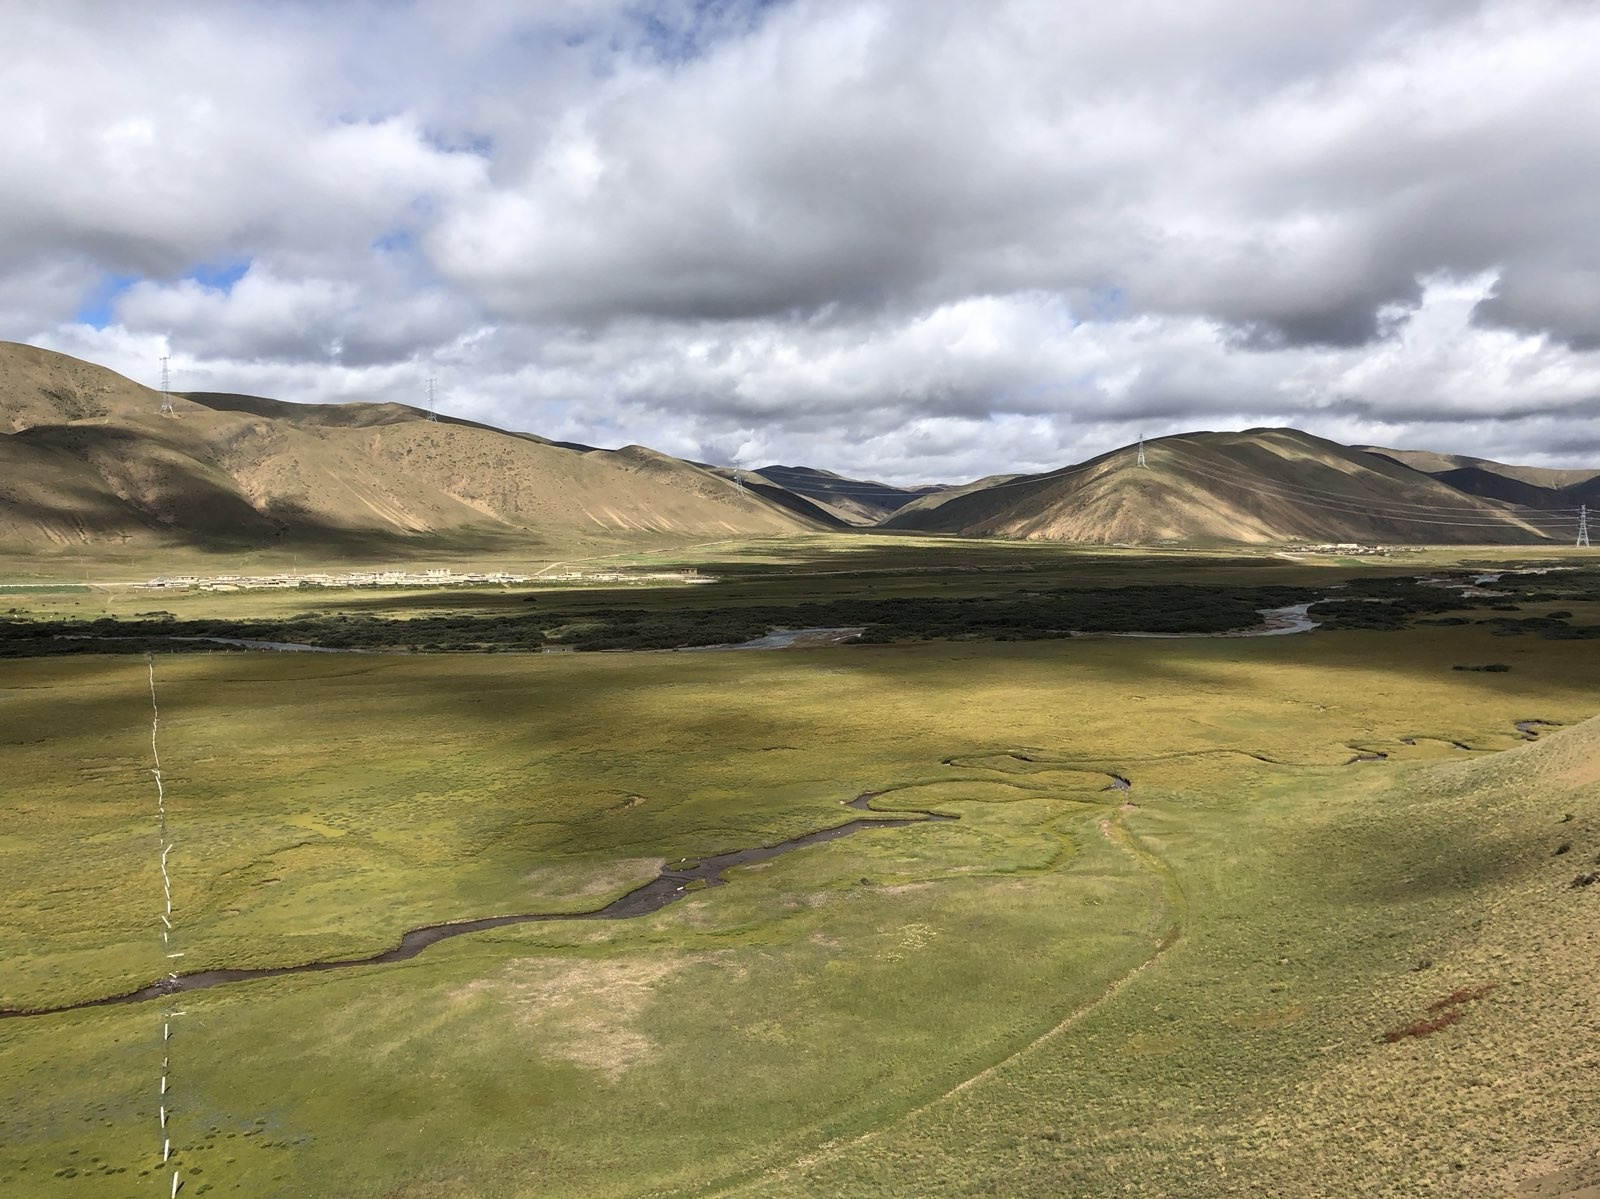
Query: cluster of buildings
(632, 576)
(355, 578)
(1347, 548)
(408, 578)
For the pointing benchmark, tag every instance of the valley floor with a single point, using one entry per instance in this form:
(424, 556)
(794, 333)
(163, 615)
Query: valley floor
(1221, 978)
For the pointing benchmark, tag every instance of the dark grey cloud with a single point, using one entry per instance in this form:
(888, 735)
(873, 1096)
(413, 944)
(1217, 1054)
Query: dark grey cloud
(896, 236)
(1560, 299)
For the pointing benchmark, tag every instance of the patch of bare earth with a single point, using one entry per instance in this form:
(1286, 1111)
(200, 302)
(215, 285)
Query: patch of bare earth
(585, 1012)
(587, 881)
(1581, 1181)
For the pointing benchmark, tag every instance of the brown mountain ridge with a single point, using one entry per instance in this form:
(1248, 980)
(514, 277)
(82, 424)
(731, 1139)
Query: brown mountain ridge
(1261, 486)
(86, 457)
(88, 460)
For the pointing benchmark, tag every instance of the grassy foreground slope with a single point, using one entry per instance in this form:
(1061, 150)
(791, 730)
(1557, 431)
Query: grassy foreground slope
(1385, 987)
(1055, 994)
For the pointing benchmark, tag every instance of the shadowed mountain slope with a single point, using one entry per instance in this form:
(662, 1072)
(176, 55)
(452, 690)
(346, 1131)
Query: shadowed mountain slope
(1260, 486)
(1522, 486)
(1474, 480)
(1434, 464)
(86, 457)
(1439, 463)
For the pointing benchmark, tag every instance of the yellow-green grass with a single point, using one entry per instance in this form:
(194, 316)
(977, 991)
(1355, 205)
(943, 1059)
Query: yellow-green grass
(116, 563)
(1384, 986)
(322, 805)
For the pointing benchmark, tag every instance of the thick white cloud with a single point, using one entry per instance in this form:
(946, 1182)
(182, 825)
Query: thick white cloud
(269, 314)
(149, 138)
(908, 238)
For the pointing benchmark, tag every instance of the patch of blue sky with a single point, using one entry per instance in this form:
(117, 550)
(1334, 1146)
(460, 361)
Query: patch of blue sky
(679, 33)
(1109, 303)
(99, 307)
(400, 248)
(396, 241)
(1058, 311)
(219, 276)
(460, 141)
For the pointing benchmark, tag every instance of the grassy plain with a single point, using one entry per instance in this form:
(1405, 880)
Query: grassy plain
(1057, 993)
(753, 570)
(894, 588)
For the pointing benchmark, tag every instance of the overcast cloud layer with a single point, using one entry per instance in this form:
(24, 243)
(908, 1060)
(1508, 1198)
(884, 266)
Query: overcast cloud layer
(904, 239)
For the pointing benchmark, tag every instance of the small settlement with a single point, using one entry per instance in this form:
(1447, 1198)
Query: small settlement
(411, 578)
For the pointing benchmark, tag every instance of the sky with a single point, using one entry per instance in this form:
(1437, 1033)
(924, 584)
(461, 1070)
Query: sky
(909, 240)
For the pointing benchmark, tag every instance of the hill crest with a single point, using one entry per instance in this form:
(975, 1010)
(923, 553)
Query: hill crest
(86, 458)
(1260, 486)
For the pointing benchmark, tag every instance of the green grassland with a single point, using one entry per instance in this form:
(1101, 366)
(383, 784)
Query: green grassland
(115, 563)
(750, 571)
(894, 588)
(1179, 990)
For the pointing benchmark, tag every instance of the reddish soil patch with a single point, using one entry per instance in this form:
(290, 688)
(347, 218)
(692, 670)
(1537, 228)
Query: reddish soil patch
(1443, 1013)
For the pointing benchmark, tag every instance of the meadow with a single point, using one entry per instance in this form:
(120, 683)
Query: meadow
(890, 588)
(1177, 989)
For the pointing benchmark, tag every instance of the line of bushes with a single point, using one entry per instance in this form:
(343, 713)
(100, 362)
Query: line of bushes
(1016, 615)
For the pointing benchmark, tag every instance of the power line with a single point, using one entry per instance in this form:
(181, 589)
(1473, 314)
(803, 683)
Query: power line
(170, 983)
(1487, 514)
(1488, 507)
(1393, 509)
(1396, 510)
(166, 388)
(1317, 492)
(1511, 520)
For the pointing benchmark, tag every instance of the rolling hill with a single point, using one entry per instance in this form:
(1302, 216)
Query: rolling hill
(1260, 486)
(87, 462)
(86, 459)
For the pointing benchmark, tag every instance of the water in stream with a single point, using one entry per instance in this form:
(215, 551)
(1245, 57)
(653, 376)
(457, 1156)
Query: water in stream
(670, 885)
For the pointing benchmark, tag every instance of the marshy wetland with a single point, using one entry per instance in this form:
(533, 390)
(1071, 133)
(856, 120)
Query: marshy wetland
(1156, 947)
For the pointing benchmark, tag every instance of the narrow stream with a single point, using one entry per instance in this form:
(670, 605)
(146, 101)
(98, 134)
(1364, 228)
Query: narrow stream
(1528, 730)
(785, 639)
(294, 647)
(1276, 622)
(667, 887)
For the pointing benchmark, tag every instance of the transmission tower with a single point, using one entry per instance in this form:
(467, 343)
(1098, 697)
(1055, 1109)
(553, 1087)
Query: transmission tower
(738, 481)
(433, 412)
(1583, 527)
(166, 388)
(1141, 449)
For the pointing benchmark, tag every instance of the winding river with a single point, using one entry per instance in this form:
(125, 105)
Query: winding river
(670, 885)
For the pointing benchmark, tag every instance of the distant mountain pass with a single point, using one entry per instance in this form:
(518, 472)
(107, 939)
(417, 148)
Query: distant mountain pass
(854, 501)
